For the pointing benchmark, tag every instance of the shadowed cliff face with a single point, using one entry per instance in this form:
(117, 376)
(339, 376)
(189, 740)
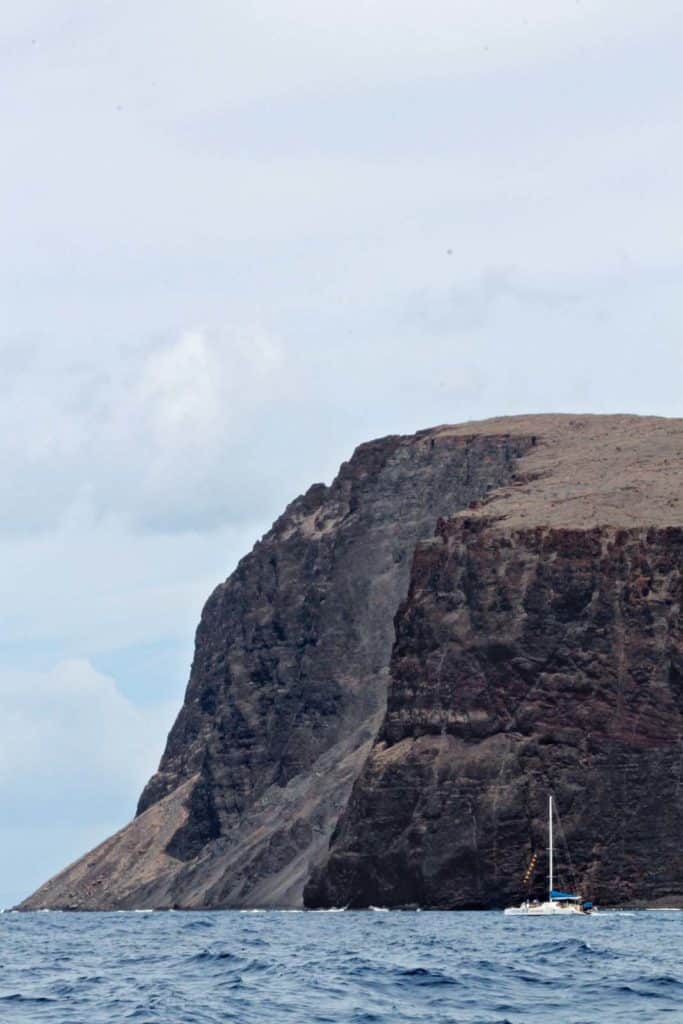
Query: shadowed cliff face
(288, 686)
(533, 658)
(292, 652)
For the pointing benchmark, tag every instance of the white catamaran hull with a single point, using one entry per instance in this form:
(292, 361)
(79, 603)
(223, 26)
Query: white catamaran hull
(544, 909)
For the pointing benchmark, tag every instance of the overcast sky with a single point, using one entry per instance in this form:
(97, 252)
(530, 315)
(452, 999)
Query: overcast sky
(238, 239)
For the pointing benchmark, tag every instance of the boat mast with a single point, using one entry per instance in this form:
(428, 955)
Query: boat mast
(550, 840)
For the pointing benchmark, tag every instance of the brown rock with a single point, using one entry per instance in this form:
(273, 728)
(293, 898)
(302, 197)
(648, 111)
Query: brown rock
(539, 650)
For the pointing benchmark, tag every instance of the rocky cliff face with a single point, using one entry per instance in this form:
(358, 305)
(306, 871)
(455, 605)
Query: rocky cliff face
(536, 565)
(539, 650)
(288, 685)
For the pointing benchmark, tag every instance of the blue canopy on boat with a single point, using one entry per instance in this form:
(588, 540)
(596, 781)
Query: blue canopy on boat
(555, 895)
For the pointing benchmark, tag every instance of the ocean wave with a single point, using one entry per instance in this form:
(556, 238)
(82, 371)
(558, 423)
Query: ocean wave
(310, 968)
(201, 924)
(207, 954)
(427, 976)
(17, 997)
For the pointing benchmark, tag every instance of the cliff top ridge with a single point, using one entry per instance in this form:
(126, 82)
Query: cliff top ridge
(587, 470)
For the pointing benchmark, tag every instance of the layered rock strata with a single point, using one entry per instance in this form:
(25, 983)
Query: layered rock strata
(539, 650)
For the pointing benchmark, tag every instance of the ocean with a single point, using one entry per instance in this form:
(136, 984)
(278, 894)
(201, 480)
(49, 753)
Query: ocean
(340, 968)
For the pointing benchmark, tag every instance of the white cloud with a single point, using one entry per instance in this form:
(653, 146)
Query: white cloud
(191, 390)
(74, 757)
(243, 53)
(143, 435)
(179, 389)
(71, 743)
(92, 587)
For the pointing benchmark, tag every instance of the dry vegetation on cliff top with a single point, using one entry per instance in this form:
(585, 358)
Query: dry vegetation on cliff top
(589, 471)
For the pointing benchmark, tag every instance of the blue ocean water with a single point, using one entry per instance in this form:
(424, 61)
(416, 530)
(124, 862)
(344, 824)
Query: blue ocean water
(339, 968)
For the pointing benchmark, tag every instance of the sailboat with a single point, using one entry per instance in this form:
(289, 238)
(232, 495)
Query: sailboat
(558, 902)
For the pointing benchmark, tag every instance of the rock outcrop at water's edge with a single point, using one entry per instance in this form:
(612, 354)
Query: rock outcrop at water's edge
(536, 566)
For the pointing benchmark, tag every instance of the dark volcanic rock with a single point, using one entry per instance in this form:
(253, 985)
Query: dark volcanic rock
(539, 650)
(288, 685)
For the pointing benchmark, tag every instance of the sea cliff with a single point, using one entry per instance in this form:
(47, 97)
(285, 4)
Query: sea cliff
(326, 753)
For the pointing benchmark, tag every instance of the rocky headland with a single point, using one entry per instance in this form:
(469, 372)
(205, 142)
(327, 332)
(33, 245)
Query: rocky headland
(388, 686)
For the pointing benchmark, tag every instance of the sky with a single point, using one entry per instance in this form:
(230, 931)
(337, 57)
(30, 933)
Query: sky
(238, 240)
